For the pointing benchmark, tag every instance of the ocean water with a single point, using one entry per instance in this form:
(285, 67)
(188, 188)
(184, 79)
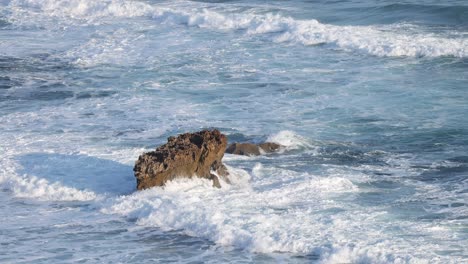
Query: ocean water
(369, 98)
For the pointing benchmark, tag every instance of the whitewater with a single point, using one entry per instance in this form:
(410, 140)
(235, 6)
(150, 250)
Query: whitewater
(368, 98)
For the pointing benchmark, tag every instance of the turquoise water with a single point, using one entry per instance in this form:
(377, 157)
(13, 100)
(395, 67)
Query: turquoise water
(369, 99)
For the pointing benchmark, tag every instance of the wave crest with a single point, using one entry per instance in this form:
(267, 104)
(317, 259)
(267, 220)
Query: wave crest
(392, 41)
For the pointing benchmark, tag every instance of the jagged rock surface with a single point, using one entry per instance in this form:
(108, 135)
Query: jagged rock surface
(188, 155)
(250, 149)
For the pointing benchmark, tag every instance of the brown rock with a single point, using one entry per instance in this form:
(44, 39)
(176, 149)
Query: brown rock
(247, 149)
(188, 155)
(250, 149)
(269, 147)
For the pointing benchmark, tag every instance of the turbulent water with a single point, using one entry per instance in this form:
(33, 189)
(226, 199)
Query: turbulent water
(370, 99)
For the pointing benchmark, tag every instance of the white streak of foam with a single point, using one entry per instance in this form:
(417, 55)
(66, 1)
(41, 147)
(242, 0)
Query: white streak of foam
(33, 187)
(84, 9)
(290, 140)
(37, 188)
(379, 41)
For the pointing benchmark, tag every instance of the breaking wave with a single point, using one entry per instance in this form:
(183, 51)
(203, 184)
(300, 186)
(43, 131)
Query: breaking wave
(391, 40)
(276, 226)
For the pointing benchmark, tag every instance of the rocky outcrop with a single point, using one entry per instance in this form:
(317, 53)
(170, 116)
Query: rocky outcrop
(250, 149)
(188, 155)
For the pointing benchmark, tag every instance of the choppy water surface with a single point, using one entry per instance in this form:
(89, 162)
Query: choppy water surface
(369, 98)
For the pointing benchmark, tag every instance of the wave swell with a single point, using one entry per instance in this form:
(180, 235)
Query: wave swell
(386, 41)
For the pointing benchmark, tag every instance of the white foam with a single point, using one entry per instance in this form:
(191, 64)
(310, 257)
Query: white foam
(33, 187)
(48, 166)
(84, 9)
(238, 177)
(360, 255)
(279, 210)
(379, 41)
(254, 218)
(394, 40)
(118, 48)
(290, 140)
(27, 186)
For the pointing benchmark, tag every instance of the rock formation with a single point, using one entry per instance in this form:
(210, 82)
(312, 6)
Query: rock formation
(250, 149)
(188, 155)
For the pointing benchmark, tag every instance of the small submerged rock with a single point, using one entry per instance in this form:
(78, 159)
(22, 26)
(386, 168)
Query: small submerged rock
(187, 155)
(250, 149)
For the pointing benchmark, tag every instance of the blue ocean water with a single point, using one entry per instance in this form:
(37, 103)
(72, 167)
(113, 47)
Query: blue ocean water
(369, 99)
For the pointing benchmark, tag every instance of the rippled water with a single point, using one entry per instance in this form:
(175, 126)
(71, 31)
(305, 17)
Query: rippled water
(369, 98)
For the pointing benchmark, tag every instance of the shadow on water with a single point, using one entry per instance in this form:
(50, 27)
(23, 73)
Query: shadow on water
(42, 77)
(450, 174)
(7, 82)
(35, 63)
(80, 172)
(4, 23)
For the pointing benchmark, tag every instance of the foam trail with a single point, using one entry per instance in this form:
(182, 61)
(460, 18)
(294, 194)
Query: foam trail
(391, 41)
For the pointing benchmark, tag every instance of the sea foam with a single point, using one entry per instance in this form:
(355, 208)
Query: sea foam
(226, 216)
(380, 40)
(290, 140)
(28, 186)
